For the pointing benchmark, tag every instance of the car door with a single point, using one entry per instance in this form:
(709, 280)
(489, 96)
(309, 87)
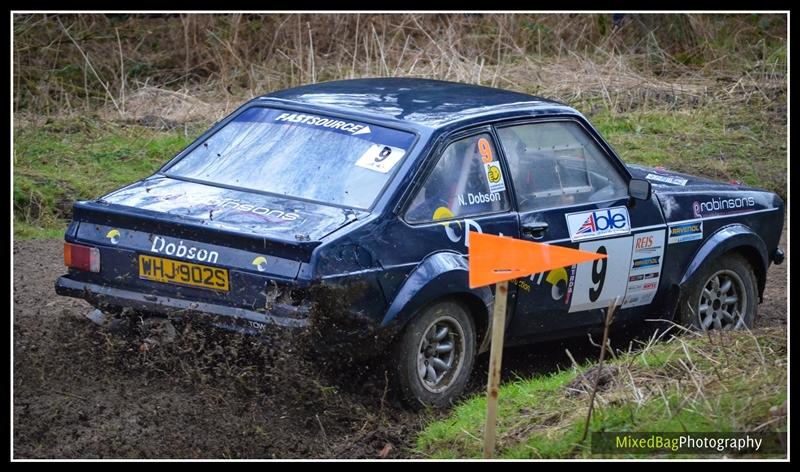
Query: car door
(463, 190)
(571, 191)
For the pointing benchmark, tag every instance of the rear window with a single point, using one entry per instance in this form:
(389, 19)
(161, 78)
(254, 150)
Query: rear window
(303, 155)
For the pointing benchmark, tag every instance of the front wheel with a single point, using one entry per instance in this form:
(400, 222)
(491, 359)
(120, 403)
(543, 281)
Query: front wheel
(722, 296)
(433, 357)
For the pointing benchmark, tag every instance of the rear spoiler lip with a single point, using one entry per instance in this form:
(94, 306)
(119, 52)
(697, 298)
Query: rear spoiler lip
(175, 226)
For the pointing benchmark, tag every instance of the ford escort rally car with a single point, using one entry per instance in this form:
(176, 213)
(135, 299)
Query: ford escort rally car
(374, 185)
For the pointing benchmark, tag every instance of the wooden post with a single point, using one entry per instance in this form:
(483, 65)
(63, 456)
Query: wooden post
(495, 362)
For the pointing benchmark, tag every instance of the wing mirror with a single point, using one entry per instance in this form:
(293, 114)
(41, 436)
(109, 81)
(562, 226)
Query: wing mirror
(639, 189)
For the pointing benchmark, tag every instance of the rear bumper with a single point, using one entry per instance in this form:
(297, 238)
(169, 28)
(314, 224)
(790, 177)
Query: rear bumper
(287, 316)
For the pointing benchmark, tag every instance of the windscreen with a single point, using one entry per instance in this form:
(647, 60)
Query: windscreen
(323, 159)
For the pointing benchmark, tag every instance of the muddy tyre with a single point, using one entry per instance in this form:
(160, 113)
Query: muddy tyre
(432, 358)
(722, 295)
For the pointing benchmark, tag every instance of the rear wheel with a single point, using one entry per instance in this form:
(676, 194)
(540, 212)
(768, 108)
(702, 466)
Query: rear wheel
(722, 296)
(433, 357)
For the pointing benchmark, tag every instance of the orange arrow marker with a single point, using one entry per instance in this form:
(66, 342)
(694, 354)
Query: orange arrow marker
(494, 259)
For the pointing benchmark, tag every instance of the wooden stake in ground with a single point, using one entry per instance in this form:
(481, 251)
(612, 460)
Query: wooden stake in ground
(609, 317)
(496, 260)
(495, 364)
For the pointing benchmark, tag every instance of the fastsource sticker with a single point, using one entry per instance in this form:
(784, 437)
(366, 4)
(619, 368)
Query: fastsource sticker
(598, 223)
(685, 232)
(330, 123)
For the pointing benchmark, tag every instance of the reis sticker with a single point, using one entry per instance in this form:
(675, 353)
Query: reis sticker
(380, 158)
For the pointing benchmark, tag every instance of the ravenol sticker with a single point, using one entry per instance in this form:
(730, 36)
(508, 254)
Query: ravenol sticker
(666, 179)
(598, 223)
(646, 262)
(685, 232)
(494, 176)
(380, 158)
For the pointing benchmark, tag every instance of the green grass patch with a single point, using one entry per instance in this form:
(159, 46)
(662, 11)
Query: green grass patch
(723, 383)
(744, 144)
(74, 159)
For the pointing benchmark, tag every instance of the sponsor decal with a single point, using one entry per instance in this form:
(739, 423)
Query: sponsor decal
(478, 198)
(722, 206)
(666, 179)
(113, 236)
(330, 123)
(494, 176)
(570, 284)
(180, 249)
(256, 325)
(380, 158)
(558, 280)
(685, 232)
(645, 268)
(258, 210)
(598, 223)
(454, 230)
(521, 283)
(260, 262)
(646, 262)
(631, 301)
(645, 244)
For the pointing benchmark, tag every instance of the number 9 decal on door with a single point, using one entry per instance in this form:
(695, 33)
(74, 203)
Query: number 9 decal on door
(598, 275)
(598, 283)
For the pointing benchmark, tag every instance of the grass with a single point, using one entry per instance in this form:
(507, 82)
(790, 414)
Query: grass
(725, 382)
(739, 143)
(66, 160)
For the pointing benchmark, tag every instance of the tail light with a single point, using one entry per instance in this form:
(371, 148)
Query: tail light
(81, 257)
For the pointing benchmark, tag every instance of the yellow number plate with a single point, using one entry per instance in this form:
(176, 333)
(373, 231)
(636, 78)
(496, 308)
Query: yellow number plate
(183, 273)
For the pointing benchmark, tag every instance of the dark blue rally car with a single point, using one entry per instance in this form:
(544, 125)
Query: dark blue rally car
(371, 187)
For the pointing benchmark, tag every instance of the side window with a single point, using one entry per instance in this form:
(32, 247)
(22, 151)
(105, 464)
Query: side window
(466, 181)
(556, 164)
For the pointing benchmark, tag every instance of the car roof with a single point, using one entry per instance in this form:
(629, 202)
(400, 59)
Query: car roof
(423, 102)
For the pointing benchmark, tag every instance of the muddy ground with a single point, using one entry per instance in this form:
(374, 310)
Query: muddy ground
(85, 392)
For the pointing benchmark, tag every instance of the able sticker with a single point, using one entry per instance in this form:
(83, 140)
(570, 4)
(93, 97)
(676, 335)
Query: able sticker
(380, 158)
(495, 177)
